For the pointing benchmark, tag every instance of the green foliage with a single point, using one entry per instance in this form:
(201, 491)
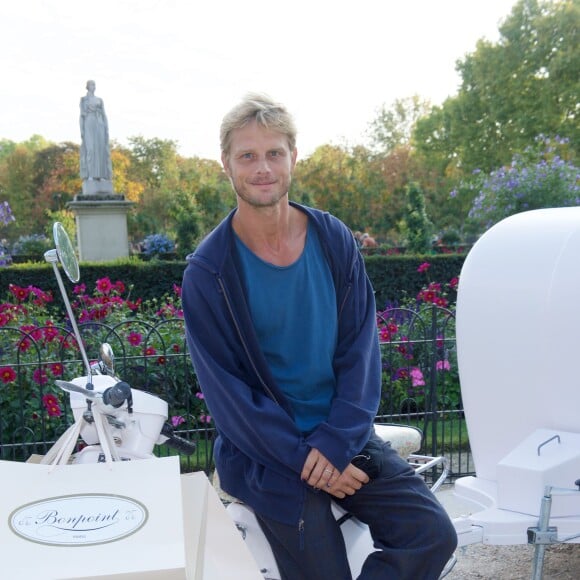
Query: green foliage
(345, 182)
(393, 277)
(417, 228)
(525, 85)
(32, 245)
(394, 125)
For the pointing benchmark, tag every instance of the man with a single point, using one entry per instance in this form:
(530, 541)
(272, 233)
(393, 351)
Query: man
(281, 326)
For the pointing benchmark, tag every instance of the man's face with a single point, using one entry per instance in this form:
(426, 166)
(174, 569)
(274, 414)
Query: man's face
(259, 165)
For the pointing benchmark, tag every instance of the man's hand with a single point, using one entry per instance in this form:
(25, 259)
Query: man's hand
(318, 471)
(347, 483)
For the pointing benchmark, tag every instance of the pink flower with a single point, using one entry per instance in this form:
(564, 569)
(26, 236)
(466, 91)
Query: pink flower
(443, 365)
(150, 351)
(177, 420)
(199, 395)
(417, 379)
(423, 267)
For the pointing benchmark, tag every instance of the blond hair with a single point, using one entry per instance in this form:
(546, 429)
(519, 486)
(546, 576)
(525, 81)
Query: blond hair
(265, 111)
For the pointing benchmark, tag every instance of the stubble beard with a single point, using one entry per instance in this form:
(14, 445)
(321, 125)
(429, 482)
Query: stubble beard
(260, 203)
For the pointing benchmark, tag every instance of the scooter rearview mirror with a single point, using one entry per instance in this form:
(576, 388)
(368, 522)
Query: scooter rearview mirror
(65, 252)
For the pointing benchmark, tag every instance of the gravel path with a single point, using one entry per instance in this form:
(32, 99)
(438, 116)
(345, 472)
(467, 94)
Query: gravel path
(561, 562)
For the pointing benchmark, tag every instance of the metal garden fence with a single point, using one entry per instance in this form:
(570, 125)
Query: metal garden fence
(420, 381)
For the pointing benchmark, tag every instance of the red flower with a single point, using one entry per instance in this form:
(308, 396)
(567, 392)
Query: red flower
(104, 285)
(384, 334)
(40, 377)
(7, 374)
(42, 297)
(161, 360)
(175, 348)
(52, 405)
(150, 351)
(24, 345)
(34, 332)
(57, 369)
(50, 332)
(19, 292)
(134, 338)
(423, 267)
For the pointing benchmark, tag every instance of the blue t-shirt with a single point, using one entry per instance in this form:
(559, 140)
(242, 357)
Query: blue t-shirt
(294, 312)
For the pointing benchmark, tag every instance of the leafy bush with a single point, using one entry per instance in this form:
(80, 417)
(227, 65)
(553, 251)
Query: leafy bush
(538, 178)
(156, 244)
(31, 245)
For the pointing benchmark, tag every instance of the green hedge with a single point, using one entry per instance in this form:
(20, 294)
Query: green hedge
(393, 277)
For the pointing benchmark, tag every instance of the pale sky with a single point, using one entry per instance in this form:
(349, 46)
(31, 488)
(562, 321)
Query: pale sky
(172, 68)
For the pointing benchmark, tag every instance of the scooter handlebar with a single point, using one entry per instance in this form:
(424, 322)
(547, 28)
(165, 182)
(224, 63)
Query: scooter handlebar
(176, 442)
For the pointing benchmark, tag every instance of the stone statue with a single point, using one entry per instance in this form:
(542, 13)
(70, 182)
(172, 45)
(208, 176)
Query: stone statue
(96, 168)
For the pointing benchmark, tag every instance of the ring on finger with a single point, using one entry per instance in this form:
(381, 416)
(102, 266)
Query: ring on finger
(329, 470)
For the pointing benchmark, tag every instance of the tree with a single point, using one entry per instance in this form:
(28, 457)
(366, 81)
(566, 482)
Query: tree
(206, 181)
(123, 184)
(393, 126)
(56, 180)
(346, 182)
(416, 227)
(525, 85)
(154, 166)
(17, 177)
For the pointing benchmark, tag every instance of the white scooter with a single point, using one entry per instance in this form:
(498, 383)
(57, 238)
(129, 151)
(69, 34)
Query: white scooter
(105, 408)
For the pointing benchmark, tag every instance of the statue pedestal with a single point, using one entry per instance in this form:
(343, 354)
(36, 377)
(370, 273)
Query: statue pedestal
(100, 187)
(101, 227)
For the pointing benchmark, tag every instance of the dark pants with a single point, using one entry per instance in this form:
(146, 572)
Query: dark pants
(412, 533)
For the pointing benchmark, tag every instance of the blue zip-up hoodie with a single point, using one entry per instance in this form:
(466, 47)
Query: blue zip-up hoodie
(259, 452)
